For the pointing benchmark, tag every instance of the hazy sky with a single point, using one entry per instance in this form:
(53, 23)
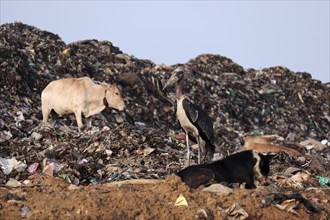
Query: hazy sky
(253, 34)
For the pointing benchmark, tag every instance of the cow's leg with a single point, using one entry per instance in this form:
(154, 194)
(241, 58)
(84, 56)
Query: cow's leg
(53, 117)
(45, 114)
(77, 113)
(89, 121)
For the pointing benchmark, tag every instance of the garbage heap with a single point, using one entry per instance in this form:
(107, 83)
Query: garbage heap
(241, 101)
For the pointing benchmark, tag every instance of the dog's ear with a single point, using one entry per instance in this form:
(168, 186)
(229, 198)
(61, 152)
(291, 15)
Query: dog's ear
(270, 155)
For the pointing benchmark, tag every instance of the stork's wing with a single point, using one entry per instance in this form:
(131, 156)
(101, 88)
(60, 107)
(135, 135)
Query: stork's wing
(199, 119)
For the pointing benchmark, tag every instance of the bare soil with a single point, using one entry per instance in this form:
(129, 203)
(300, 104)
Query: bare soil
(53, 198)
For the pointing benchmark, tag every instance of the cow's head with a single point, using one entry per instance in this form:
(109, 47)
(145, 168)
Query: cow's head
(113, 96)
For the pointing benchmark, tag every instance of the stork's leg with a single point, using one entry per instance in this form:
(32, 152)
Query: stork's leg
(188, 150)
(199, 150)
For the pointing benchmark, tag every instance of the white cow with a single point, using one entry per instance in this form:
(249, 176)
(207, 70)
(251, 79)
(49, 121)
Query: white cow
(79, 96)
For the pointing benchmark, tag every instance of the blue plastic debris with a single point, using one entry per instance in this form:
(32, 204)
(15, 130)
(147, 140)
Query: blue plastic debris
(24, 211)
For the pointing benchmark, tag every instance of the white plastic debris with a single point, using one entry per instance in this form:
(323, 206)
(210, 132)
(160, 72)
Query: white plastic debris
(27, 183)
(219, 188)
(82, 161)
(5, 135)
(36, 135)
(20, 117)
(8, 165)
(105, 128)
(140, 124)
(13, 183)
(325, 142)
(313, 144)
(108, 152)
(73, 187)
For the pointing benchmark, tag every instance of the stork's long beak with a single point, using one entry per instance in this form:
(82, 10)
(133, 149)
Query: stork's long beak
(173, 79)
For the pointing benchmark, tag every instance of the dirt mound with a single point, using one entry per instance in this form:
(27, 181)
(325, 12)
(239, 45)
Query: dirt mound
(148, 200)
(145, 142)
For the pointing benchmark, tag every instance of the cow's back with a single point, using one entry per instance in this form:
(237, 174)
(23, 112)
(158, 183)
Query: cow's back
(64, 95)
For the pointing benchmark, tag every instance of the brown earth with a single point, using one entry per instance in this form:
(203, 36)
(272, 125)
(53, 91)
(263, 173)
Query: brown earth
(53, 198)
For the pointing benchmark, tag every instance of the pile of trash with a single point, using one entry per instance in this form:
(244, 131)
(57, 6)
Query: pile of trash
(146, 140)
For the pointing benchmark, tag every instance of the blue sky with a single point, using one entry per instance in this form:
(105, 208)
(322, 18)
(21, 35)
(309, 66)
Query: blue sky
(255, 34)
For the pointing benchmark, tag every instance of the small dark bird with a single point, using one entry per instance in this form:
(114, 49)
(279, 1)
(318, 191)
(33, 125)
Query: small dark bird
(193, 120)
(240, 167)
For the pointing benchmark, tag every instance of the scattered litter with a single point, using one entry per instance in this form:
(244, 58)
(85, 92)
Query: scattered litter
(202, 214)
(33, 167)
(279, 198)
(292, 177)
(289, 206)
(65, 177)
(95, 147)
(325, 142)
(313, 144)
(235, 211)
(27, 182)
(50, 167)
(82, 161)
(228, 92)
(109, 152)
(219, 188)
(8, 165)
(36, 136)
(324, 181)
(25, 210)
(148, 150)
(14, 198)
(181, 201)
(13, 183)
(5, 135)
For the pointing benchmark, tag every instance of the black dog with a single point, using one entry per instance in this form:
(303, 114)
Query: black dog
(240, 167)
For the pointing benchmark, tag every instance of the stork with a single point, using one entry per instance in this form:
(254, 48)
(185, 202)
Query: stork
(193, 120)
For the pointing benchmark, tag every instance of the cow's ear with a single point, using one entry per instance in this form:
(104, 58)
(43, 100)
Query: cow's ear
(105, 85)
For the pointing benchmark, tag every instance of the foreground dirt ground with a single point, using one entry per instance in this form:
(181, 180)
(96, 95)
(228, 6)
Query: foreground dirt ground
(53, 198)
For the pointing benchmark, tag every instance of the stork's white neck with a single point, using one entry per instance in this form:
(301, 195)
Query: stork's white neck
(179, 89)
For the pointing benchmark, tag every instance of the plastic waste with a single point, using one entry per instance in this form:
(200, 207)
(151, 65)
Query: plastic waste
(65, 177)
(324, 181)
(8, 165)
(25, 210)
(13, 183)
(33, 167)
(181, 201)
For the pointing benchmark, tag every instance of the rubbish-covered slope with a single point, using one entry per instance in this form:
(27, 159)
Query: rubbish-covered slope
(241, 101)
(146, 141)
